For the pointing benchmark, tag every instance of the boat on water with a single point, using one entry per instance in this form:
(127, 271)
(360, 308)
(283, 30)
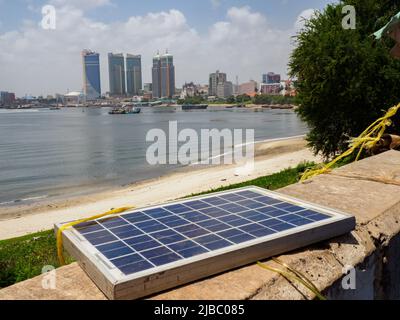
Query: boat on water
(55, 108)
(125, 110)
(186, 107)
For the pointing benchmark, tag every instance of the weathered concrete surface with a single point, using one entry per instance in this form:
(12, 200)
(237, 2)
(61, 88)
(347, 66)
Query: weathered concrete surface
(373, 248)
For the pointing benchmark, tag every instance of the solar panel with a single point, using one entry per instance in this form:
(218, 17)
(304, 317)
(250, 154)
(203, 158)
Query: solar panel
(144, 251)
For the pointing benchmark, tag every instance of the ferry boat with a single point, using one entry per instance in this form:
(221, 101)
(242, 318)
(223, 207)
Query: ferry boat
(125, 110)
(186, 107)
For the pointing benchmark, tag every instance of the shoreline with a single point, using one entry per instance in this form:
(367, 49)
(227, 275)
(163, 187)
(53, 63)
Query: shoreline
(270, 156)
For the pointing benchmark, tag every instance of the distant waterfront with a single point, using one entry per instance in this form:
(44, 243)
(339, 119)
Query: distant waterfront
(46, 153)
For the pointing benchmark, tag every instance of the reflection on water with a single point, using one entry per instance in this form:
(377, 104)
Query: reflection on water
(45, 153)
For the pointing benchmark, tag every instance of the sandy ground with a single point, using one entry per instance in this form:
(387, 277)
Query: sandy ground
(271, 156)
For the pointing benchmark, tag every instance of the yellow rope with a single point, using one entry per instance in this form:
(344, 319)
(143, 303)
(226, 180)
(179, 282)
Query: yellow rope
(71, 224)
(366, 140)
(294, 275)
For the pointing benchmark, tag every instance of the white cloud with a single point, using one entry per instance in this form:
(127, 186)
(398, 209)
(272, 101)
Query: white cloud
(303, 17)
(41, 61)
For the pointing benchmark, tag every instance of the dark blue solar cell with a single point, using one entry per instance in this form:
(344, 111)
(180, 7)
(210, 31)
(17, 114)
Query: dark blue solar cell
(270, 222)
(143, 238)
(233, 208)
(118, 253)
(239, 222)
(318, 217)
(194, 216)
(150, 226)
(248, 194)
(158, 213)
(182, 245)
(214, 212)
(110, 246)
(136, 267)
(307, 213)
(141, 246)
(215, 201)
(197, 204)
(126, 231)
(112, 222)
(120, 262)
(282, 227)
(135, 217)
(301, 221)
(177, 208)
(218, 245)
(168, 258)
(207, 239)
(167, 236)
(288, 207)
(160, 251)
(191, 231)
(176, 223)
(251, 227)
(100, 237)
(271, 211)
(253, 216)
(87, 227)
(267, 200)
(209, 223)
(251, 204)
(218, 227)
(191, 252)
(241, 238)
(262, 232)
(232, 197)
(289, 217)
(230, 233)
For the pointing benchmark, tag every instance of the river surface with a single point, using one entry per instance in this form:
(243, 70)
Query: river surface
(45, 153)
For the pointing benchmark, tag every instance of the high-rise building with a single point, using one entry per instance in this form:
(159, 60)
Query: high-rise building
(91, 75)
(133, 74)
(163, 75)
(271, 78)
(116, 71)
(7, 98)
(249, 88)
(224, 89)
(215, 79)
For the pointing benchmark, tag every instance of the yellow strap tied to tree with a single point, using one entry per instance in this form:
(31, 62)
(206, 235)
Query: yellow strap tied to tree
(366, 140)
(71, 224)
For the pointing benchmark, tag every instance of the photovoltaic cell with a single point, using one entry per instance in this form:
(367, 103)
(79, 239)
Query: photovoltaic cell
(154, 237)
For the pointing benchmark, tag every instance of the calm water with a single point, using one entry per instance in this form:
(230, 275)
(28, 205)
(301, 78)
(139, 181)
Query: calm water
(47, 153)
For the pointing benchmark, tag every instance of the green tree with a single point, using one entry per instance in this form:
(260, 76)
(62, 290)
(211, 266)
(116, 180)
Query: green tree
(345, 77)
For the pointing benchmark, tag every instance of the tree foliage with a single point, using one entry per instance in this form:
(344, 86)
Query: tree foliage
(345, 77)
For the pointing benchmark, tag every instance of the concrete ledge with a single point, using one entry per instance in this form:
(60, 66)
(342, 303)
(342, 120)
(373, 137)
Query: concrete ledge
(369, 189)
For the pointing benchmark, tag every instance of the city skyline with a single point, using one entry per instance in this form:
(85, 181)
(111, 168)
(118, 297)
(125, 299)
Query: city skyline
(243, 38)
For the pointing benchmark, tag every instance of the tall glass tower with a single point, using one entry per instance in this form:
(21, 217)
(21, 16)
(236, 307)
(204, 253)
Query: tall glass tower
(163, 73)
(116, 71)
(91, 74)
(133, 74)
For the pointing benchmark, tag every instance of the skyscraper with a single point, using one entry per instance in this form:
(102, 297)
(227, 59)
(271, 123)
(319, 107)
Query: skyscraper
(163, 74)
(215, 79)
(116, 70)
(271, 78)
(91, 75)
(133, 74)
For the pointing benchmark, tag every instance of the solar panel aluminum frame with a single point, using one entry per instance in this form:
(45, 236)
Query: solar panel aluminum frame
(117, 286)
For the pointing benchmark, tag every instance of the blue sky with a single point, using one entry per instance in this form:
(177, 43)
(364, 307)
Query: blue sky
(242, 38)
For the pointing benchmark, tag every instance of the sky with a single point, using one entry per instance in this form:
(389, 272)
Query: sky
(241, 38)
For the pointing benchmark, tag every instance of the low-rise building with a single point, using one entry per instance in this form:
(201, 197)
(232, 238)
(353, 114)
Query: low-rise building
(7, 98)
(271, 89)
(249, 88)
(224, 90)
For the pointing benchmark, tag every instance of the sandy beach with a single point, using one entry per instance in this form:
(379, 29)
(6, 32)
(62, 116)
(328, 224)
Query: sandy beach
(270, 156)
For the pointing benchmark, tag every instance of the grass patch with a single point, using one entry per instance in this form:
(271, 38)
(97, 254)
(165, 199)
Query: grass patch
(23, 258)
